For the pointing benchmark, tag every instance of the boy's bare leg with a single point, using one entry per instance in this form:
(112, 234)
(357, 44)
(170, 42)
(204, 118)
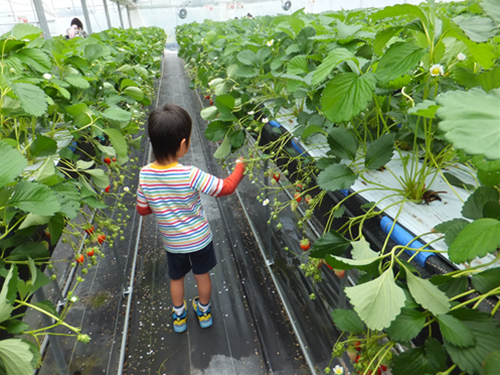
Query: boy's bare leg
(177, 291)
(204, 287)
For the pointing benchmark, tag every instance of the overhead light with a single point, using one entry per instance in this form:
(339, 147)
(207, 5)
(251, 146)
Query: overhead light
(183, 13)
(286, 5)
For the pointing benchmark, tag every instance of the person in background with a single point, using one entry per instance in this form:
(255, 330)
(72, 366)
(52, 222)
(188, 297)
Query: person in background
(76, 29)
(172, 192)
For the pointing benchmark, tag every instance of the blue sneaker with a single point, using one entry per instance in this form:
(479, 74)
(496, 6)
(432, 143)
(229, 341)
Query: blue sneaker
(180, 322)
(205, 318)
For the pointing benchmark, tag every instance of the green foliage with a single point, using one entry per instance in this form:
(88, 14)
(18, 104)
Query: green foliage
(409, 85)
(461, 108)
(331, 243)
(16, 356)
(336, 177)
(347, 95)
(348, 320)
(476, 240)
(398, 60)
(485, 331)
(427, 294)
(379, 152)
(14, 163)
(48, 109)
(377, 302)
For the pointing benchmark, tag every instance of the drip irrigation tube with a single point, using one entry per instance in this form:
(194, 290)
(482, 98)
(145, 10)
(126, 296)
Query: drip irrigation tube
(403, 238)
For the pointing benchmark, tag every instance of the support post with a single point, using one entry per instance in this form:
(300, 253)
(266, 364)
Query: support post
(40, 13)
(105, 3)
(88, 25)
(120, 14)
(129, 19)
(54, 340)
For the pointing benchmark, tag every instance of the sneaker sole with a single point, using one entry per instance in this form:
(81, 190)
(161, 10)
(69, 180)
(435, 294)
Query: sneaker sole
(205, 322)
(181, 328)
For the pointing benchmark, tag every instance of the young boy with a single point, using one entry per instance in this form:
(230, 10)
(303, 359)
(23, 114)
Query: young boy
(172, 192)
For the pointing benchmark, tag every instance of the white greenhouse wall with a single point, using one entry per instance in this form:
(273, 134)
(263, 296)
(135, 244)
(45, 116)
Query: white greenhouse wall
(59, 13)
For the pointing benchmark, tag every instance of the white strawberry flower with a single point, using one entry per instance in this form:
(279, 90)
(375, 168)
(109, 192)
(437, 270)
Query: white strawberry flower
(47, 76)
(461, 56)
(338, 370)
(121, 50)
(266, 202)
(126, 188)
(251, 113)
(270, 43)
(265, 120)
(436, 70)
(73, 299)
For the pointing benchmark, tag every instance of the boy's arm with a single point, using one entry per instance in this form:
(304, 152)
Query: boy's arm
(231, 182)
(142, 204)
(216, 187)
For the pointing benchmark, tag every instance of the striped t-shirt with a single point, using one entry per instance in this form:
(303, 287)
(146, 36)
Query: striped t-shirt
(172, 192)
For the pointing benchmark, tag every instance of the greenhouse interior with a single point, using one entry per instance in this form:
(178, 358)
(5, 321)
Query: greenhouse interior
(334, 163)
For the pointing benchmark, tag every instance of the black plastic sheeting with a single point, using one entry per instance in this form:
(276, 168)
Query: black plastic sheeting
(250, 334)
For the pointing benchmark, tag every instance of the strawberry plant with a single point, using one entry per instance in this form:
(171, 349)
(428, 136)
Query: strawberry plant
(408, 92)
(67, 107)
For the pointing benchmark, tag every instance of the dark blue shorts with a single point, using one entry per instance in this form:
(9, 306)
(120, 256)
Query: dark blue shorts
(200, 262)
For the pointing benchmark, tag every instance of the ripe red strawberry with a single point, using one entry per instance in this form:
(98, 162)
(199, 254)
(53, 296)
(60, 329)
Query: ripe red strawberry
(207, 96)
(114, 160)
(107, 160)
(357, 346)
(90, 230)
(305, 244)
(211, 102)
(384, 368)
(80, 258)
(107, 189)
(340, 273)
(299, 186)
(358, 358)
(90, 252)
(276, 177)
(101, 238)
(308, 199)
(353, 354)
(297, 197)
(379, 371)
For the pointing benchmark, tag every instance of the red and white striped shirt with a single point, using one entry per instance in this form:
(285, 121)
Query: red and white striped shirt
(172, 193)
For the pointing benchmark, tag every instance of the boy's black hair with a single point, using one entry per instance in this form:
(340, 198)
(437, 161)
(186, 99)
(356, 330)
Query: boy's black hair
(167, 127)
(77, 22)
